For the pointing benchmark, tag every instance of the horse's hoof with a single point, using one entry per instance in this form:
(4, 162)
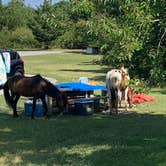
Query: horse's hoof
(132, 105)
(32, 118)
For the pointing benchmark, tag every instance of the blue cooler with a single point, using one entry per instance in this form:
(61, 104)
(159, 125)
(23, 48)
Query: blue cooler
(84, 106)
(39, 111)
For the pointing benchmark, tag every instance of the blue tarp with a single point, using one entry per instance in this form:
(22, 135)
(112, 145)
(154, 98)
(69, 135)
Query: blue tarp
(78, 86)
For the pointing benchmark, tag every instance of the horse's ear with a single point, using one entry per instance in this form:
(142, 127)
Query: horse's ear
(121, 66)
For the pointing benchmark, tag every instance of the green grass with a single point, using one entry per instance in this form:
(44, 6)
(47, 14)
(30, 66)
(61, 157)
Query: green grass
(65, 68)
(134, 139)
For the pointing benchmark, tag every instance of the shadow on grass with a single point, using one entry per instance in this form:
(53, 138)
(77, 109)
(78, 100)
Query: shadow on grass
(161, 91)
(126, 139)
(103, 71)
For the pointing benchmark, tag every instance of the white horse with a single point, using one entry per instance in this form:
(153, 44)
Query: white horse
(113, 83)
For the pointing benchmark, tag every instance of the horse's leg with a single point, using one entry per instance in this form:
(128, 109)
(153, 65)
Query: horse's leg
(109, 97)
(129, 97)
(44, 105)
(120, 97)
(117, 99)
(12, 95)
(110, 102)
(126, 98)
(113, 101)
(15, 100)
(33, 107)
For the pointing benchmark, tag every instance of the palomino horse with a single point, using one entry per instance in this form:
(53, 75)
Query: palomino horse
(36, 87)
(127, 92)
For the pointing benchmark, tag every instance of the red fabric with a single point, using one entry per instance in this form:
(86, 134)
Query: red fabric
(140, 98)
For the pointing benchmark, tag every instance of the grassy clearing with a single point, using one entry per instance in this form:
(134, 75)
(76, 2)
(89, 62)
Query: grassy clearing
(134, 139)
(65, 67)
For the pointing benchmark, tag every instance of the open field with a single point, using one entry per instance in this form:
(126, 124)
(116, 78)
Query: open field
(134, 139)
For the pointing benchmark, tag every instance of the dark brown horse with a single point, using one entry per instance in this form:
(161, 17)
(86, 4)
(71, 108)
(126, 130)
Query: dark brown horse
(36, 87)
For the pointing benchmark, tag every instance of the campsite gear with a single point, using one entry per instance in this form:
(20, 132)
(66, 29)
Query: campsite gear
(14, 64)
(83, 80)
(84, 106)
(141, 98)
(39, 110)
(6, 56)
(78, 86)
(3, 76)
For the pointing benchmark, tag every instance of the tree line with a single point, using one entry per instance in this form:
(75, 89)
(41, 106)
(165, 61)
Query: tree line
(132, 32)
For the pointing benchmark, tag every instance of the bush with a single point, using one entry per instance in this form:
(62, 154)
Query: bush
(23, 38)
(71, 40)
(139, 85)
(5, 36)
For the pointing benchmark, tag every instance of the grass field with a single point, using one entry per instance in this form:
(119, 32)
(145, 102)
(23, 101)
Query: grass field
(134, 139)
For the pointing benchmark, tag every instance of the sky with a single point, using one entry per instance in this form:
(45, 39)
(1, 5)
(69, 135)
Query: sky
(32, 3)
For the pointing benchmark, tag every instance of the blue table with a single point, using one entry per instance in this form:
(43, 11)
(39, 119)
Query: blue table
(78, 90)
(78, 86)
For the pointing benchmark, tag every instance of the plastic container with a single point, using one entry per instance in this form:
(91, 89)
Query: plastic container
(84, 106)
(83, 80)
(39, 110)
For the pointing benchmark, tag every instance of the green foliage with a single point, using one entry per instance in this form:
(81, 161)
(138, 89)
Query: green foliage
(23, 38)
(75, 36)
(15, 15)
(126, 34)
(139, 85)
(130, 32)
(5, 36)
(133, 33)
(14, 19)
(49, 23)
(149, 61)
(81, 10)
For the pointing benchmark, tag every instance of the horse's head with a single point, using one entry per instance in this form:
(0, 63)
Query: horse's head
(61, 101)
(125, 74)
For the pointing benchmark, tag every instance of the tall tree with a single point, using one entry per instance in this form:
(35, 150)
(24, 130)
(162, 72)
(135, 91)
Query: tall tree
(15, 14)
(49, 23)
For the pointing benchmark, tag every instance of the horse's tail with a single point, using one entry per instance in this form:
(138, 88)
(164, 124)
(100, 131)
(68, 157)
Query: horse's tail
(7, 96)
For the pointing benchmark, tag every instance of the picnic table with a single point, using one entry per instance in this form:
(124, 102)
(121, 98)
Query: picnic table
(78, 90)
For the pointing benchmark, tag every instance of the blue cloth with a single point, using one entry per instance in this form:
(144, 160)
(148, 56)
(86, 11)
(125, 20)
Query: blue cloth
(78, 86)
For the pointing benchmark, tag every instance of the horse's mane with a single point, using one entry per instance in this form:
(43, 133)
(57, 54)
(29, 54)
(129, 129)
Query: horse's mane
(39, 76)
(51, 89)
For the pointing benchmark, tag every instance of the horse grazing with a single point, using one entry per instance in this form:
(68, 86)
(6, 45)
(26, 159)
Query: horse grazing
(113, 82)
(36, 87)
